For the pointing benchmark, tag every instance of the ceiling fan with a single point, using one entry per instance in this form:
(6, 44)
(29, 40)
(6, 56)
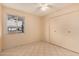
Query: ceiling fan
(44, 6)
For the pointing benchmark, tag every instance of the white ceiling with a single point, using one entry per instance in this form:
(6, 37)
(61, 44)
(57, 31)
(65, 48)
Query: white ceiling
(33, 7)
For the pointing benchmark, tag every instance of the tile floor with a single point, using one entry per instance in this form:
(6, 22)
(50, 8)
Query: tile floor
(38, 49)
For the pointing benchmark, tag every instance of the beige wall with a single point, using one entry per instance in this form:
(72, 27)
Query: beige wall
(62, 27)
(32, 29)
(0, 27)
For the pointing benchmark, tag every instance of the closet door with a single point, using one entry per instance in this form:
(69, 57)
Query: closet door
(46, 30)
(64, 31)
(58, 30)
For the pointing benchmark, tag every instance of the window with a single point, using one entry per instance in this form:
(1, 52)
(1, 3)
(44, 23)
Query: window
(15, 24)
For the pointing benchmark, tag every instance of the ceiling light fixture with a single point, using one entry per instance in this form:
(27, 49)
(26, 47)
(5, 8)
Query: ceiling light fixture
(44, 6)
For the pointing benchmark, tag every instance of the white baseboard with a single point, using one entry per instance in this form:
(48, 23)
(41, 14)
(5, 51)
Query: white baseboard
(62, 47)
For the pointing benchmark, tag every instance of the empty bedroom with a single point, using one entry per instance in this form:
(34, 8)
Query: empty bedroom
(39, 29)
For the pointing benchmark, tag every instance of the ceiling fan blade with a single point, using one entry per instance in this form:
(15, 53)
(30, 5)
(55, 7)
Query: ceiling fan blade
(50, 6)
(37, 9)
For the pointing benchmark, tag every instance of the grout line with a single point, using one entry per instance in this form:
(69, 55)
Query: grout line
(20, 45)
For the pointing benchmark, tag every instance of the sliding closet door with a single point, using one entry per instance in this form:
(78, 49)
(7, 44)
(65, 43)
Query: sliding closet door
(57, 30)
(64, 31)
